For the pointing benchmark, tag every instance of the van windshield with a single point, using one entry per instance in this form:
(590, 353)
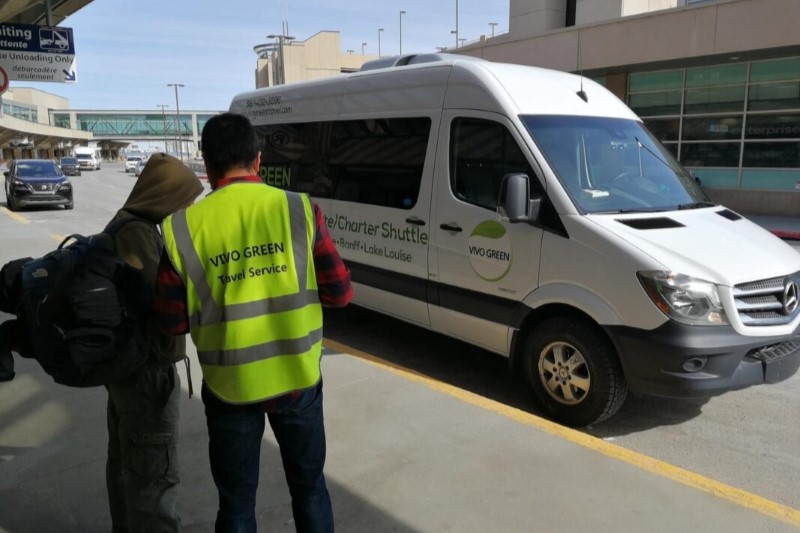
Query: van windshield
(612, 165)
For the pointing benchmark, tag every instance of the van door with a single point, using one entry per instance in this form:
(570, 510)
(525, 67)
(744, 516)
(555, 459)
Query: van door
(483, 266)
(380, 212)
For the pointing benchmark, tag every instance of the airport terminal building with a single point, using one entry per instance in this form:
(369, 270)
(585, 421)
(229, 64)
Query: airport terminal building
(717, 81)
(37, 124)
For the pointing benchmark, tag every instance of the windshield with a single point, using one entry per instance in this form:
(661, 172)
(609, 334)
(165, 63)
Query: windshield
(612, 165)
(84, 156)
(37, 169)
(68, 160)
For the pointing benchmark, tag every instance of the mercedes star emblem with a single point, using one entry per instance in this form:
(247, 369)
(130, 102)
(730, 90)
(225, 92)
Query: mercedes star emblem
(790, 295)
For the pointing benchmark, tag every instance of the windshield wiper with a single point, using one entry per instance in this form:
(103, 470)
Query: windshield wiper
(631, 210)
(695, 205)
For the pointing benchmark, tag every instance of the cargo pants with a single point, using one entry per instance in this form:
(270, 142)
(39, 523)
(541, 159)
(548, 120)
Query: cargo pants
(142, 468)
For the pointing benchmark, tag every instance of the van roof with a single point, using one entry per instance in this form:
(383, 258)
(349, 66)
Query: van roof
(427, 82)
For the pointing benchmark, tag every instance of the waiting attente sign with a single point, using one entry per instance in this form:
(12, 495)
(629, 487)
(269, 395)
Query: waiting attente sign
(38, 53)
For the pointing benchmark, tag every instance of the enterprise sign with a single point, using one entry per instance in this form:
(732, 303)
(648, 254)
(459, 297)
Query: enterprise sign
(38, 53)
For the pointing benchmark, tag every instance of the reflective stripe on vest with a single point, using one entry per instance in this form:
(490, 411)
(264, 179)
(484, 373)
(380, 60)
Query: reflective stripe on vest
(210, 312)
(250, 350)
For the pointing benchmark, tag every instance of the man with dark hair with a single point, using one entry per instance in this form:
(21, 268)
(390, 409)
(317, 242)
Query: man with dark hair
(246, 271)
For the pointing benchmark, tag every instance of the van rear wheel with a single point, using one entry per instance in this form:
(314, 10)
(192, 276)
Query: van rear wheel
(573, 372)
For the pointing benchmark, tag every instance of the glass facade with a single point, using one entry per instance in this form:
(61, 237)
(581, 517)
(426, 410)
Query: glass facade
(735, 126)
(21, 111)
(134, 125)
(61, 120)
(142, 126)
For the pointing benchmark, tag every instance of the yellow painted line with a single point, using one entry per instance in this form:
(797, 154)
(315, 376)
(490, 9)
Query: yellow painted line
(19, 218)
(726, 492)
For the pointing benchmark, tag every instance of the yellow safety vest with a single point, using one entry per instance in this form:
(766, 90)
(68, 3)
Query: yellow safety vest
(245, 256)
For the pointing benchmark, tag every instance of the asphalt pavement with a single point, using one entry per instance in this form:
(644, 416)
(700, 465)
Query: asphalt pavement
(405, 454)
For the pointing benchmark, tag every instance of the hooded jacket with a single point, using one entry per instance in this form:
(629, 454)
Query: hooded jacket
(164, 186)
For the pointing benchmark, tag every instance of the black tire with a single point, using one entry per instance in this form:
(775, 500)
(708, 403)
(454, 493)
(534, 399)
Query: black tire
(12, 206)
(573, 371)
(70, 205)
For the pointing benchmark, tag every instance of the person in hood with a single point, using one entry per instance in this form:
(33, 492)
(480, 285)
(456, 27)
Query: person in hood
(141, 469)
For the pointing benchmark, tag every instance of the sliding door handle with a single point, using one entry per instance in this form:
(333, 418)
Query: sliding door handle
(450, 227)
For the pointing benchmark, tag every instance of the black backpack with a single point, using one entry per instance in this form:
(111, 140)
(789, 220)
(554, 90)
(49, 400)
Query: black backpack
(81, 310)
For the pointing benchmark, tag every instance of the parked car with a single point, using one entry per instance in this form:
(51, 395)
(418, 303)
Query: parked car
(70, 166)
(36, 182)
(130, 164)
(140, 166)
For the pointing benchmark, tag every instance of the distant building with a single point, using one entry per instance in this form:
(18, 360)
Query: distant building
(25, 128)
(320, 56)
(35, 123)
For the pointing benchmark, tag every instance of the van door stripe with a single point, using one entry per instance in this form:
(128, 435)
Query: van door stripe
(478, 304)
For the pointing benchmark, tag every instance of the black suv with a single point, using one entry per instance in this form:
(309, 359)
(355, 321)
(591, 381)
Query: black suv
(70, 166)
(36, 181)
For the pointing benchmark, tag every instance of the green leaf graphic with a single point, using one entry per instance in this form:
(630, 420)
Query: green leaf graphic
(489, 229)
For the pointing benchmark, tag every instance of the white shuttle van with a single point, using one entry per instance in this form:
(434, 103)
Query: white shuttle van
(530, 212)
(88, 157)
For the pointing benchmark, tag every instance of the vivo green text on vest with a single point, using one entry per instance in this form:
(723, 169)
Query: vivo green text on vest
(269, 248)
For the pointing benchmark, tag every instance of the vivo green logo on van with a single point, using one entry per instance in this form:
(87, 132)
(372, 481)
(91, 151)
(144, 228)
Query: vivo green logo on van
(279, 176)
(490, 251)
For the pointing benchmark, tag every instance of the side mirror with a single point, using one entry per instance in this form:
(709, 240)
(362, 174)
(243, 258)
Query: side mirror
(6, 173)
(515, 203)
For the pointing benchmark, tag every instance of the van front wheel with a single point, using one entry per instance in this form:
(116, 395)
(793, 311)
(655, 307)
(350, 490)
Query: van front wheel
(573, 372)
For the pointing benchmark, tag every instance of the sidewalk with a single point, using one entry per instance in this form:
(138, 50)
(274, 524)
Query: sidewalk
(403, 456)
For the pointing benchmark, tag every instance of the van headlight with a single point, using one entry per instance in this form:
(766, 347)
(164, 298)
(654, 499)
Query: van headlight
(683, 298)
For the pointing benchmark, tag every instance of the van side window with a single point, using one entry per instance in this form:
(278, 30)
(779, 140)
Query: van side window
(374, 161)
(292, 157)
(379, 162)
(482, 152)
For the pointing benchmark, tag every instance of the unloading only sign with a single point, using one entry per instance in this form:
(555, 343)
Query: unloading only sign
(38, 53)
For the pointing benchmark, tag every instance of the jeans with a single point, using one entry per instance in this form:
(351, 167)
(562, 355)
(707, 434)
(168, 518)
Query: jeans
(142, 468)
(234, 449)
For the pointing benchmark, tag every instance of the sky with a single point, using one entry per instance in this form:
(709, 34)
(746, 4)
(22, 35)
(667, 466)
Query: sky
(129, 50)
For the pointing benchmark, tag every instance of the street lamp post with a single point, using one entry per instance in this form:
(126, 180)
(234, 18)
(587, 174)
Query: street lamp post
(164, 123)
(380, 30)
(401, 30)
(363, 46)
(454, 32)
(456, 23)
(493, 24)
(282, 39)
(178, 117)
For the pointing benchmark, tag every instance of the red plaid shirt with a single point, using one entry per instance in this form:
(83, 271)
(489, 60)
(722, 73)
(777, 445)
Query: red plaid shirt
(333, 282)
